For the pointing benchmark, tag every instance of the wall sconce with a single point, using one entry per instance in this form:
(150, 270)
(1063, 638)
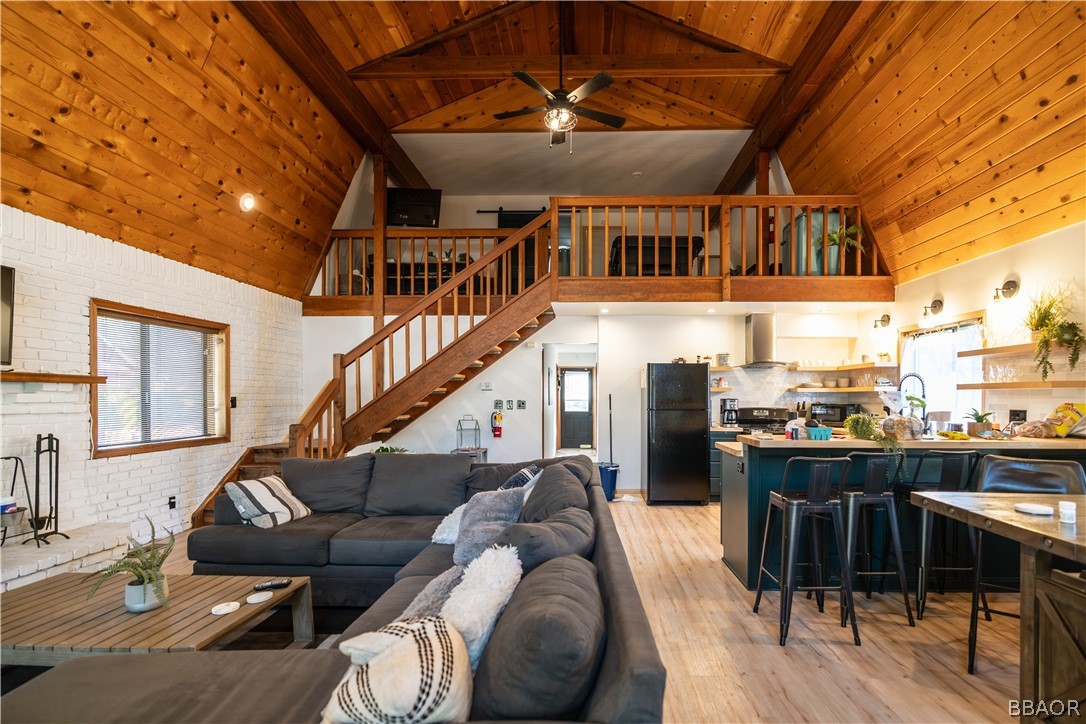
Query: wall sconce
(883, 321)
(1008, 290)
(927, 321)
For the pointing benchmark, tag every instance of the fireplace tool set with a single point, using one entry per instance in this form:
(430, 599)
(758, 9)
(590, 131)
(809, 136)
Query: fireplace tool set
(42, 525)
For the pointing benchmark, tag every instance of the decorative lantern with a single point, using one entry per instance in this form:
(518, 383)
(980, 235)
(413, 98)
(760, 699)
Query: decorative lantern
(468, 434)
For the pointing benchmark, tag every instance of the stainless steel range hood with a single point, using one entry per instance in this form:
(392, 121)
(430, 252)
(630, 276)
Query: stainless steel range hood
(761, 332)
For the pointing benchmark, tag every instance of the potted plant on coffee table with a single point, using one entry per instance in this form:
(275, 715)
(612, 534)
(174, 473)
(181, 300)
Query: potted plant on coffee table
(144, 561)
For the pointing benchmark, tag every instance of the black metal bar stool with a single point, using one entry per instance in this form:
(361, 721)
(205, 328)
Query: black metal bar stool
(823, 475)
(1001, 474)
(881, 471)
(956, 469)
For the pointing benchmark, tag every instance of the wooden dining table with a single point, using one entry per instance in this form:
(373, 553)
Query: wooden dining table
(1053, 601)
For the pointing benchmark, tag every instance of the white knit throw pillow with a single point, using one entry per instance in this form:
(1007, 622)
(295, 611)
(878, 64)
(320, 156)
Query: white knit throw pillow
(423, 676)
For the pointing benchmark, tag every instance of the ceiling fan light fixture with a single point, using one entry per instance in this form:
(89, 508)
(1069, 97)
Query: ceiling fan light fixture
(560, 119)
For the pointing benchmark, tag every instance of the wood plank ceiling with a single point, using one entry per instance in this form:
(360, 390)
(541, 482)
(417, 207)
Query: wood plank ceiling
(960, 125)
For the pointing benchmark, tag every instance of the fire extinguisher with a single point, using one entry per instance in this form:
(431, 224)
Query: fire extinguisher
(496, 424)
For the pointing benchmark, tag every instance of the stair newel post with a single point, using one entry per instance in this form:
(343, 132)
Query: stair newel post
(296, 441)
(339, 405)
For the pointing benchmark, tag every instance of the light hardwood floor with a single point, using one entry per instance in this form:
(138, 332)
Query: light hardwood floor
(724, 664)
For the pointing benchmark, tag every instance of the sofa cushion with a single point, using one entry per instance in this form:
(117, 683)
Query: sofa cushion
(489, 476)
(569, 531)
(388, 607)
(485, 517)
(417, 484)
(557, 488)
(434, 559)
(300, 542)
(266, 502)
(543, 656)
(388, 540)
(330, 486)
(580, 465)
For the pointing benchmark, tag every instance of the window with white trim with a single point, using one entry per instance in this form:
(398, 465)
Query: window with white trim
(167, 383)
(933, 354)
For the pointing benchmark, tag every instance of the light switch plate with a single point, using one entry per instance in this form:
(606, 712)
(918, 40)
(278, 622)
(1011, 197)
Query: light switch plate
(497, 404)
(522, 405)
(486, 386)
(509, 404)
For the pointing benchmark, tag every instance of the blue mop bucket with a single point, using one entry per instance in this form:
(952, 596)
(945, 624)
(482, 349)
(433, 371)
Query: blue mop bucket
(608, 478)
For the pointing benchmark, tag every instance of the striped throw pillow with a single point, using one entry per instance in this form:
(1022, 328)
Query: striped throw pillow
(266, 502)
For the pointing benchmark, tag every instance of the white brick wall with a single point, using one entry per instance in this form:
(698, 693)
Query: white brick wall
(58, 269)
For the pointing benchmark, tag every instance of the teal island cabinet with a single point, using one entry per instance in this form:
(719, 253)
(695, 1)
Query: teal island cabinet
(751, 467)
(718, 434)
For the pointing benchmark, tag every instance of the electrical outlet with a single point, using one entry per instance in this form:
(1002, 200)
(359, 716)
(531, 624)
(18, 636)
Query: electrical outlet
(522, 405)
(509, 404)
(233, 403)
(171, 502)
(497, 404)
(486, 386)
(1018, 416)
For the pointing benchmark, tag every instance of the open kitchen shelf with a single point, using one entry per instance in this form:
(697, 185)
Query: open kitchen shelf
(721, 369)
(848, 368)
(1007, 351)
(842, 389)
(1024, 385)
(720, 389)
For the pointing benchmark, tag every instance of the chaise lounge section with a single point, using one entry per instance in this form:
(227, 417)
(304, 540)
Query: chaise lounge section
(525, 671)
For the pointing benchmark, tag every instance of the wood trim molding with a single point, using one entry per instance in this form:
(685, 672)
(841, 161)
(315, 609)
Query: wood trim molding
(60, 377)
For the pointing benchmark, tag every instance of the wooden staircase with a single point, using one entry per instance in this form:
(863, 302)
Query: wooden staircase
(413, 363)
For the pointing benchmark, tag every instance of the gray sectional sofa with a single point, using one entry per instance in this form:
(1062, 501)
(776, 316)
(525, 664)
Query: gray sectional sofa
(374, 549)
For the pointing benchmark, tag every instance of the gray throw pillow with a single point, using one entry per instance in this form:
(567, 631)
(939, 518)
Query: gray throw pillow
(543, 657)
(430, 599)
(567, 532)
(330, 486)
(556, 489)
(485, 517)
(416, 484)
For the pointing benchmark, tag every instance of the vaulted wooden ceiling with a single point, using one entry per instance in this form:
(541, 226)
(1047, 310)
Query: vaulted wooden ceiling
(960, 125)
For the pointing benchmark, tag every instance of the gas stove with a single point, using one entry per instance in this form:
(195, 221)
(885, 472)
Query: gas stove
(768, 419)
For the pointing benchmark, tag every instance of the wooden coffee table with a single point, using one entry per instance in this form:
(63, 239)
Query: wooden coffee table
(51, 621)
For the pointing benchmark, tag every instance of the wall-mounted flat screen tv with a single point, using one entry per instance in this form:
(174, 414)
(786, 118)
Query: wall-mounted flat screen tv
(7, 313)
(413, 207)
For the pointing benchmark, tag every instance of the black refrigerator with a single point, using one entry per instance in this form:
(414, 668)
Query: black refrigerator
(675, 433)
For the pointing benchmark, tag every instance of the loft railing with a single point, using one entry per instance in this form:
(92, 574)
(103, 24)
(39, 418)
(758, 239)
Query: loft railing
(417, 261)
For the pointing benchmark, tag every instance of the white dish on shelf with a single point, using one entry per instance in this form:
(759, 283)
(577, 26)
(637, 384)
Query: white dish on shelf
(1034, 508)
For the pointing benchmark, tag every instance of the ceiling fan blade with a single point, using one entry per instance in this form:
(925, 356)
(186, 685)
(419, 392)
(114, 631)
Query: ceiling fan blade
(558, 137)
(533, 84)
(590, 86)
(605, 118)
(522, 112)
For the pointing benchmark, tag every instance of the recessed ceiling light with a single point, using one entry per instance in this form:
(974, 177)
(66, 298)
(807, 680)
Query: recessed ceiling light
(637, 174)
(247, 201)
(604, 310)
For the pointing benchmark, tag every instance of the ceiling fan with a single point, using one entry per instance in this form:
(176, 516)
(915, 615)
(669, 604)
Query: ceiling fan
(561, 109)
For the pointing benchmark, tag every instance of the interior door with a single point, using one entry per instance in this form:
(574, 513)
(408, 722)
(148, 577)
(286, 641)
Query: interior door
(576, 409)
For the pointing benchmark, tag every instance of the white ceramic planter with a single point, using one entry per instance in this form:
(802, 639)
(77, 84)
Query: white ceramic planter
(139, 598)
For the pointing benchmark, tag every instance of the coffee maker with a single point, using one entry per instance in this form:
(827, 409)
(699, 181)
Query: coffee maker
(729, 412)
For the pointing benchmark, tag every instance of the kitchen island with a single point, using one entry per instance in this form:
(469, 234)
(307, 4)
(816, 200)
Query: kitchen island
(751, 467)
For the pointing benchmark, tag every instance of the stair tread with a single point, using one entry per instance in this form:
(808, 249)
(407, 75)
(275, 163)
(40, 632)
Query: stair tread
(477, 363)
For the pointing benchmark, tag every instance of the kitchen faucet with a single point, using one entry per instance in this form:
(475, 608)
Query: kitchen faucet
(923, 395)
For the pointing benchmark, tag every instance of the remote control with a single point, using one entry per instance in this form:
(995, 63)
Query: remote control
(269, 585)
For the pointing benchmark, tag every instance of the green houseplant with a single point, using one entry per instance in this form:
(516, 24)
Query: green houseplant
(980, 422)
(864, 426)
(837, 237)
(1047, 319)
(144, 561)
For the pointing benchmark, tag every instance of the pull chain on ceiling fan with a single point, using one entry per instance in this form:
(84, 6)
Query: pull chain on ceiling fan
(561, 113)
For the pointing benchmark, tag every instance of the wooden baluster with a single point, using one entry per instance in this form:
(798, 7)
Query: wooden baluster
(506, 275)
(725, 250)
(792, 242)
(607, 238)
(825, 241)
(760, 242)
(378, 370)
(357, 386)
(743, 239)
(622, 240)
(520, 268)
(689, 241)
(705, 236)
(809, 213)
(591, 255)
(656, 241)
(776, 239)
(640, 253)
(574, 256)
(674, 260)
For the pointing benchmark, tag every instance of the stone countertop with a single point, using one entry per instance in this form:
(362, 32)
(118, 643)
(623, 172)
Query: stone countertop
(979, 444)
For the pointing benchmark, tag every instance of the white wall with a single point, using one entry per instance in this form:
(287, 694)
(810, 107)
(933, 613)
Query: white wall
(1057, 257)
(58, 269)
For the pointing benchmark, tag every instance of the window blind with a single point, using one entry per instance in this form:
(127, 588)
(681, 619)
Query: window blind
(164, 381)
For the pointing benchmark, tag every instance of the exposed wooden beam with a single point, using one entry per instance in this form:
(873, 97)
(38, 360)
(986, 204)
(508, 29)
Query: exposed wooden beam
(679, 28)
(449, 33)
(838, 30)
(289, 32)
(694, 65)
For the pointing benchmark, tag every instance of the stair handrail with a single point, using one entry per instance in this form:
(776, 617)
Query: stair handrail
(451, 283)
(323, 416)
